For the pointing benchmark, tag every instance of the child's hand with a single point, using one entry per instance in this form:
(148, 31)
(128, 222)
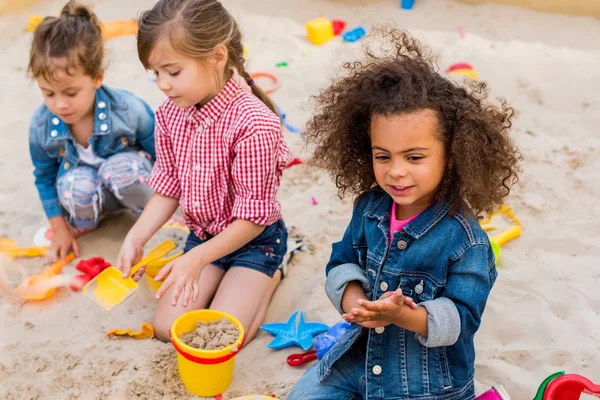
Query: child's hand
(387, 309)
(129, 255)
(62, 242)
(183, 276)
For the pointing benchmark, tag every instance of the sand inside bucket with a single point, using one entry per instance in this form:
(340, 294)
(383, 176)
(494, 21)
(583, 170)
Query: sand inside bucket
(215, 335)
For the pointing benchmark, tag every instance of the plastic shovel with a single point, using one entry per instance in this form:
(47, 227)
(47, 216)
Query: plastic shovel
(109, 288)
(42, 286)
(504, 237)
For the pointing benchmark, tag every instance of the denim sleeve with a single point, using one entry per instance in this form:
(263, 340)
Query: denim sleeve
(343, 266)
(470, 280)
(443, 323)
(145, 127)
(45, 170)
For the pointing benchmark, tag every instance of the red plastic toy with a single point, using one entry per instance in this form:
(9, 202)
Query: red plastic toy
(90, 268)
(570, 387)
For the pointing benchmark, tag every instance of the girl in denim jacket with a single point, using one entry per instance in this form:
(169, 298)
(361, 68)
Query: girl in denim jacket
(426, 157)
(91, 146)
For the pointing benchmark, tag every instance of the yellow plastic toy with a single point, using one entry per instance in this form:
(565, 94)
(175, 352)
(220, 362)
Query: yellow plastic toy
(319, 30)
(10, 249)
(205, 373)
(110, 29)
(109, 288)
(147, 332)
(511, 233)
(153, 267)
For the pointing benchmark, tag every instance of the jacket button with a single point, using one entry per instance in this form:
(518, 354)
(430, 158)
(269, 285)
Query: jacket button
(55, 121)
(419, 288)
(379, 329)
(67, 165)
(102, 116)
(377, 370)
(383, 286)
(104, 127)
(401, 244)
(101, 104)
(197, 204)
(54, 133)
(124, 141)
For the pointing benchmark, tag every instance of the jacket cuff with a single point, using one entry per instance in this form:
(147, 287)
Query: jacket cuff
(339, 277)
(52, 208)
(443, 323)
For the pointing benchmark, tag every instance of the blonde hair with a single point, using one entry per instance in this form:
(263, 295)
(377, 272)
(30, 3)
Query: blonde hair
(194, 28)
(74, 39)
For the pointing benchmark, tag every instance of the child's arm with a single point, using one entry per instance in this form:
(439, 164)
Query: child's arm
(45, 172)
(158, 211)
(455, 315)
(184, 271)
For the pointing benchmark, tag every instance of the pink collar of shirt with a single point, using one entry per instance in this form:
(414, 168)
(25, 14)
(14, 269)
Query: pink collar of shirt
(215, 107)
(396, 225)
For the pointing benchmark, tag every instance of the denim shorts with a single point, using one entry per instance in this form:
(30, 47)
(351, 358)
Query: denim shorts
(263, 254)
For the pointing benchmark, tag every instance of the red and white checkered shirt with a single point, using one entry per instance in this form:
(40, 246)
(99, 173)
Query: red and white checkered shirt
(223, 161)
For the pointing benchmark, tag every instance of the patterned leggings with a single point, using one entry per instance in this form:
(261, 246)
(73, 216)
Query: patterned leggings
(86, 193)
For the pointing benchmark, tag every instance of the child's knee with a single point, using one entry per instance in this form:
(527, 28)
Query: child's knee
(80, 193)
(124, 170)
(161, 329)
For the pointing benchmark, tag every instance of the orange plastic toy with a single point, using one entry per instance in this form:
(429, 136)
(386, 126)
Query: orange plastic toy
(147, 332)
(42, 286)
(110, 29)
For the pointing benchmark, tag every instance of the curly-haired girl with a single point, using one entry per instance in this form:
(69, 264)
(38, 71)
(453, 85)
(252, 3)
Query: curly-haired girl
(425, 157)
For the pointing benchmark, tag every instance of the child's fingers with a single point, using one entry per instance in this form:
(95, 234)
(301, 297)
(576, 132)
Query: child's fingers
(195, 292)
(164, 271)
(75, 248)
(124, 265)
(165, 286)
(138, 275)
(52, 254)
(362, 314)
(63, 253)
(187, 293)
(177, 292)
(371, 305)
(410, 302)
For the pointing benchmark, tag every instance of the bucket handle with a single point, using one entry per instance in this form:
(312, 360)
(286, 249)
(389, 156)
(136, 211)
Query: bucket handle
(208, 361)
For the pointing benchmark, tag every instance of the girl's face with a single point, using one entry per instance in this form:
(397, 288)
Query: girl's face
(408, 159)
(70, 95)
(185, 80)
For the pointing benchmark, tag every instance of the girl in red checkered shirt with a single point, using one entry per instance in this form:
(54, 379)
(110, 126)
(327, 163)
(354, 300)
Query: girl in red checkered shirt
(220, 155)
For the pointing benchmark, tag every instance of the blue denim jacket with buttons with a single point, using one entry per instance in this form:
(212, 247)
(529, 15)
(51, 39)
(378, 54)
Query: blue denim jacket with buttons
(122, 122)
(442, 260)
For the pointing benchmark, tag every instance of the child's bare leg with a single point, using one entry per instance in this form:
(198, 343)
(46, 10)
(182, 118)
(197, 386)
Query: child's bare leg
(262, 311)
(166, 313)
(249, 308)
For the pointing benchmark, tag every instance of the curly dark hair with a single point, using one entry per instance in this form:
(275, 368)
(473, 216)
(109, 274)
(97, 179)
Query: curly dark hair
(482, 159)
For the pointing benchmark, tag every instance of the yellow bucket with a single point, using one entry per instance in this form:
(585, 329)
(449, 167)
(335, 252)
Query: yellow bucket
(153, 267)
(205, 373)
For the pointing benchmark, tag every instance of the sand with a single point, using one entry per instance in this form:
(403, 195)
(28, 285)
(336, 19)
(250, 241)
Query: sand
(543, 314)
(215, 335)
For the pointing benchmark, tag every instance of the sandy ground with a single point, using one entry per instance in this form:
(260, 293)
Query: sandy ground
(543, 315)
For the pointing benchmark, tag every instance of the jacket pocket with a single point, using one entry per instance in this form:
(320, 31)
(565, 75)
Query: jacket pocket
(420, 286)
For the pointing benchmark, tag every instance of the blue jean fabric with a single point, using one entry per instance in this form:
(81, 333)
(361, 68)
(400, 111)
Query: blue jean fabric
(264, 253)
(86, 193)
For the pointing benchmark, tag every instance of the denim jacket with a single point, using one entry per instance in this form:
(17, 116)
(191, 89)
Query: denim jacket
(446, 264)
(122, 122)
